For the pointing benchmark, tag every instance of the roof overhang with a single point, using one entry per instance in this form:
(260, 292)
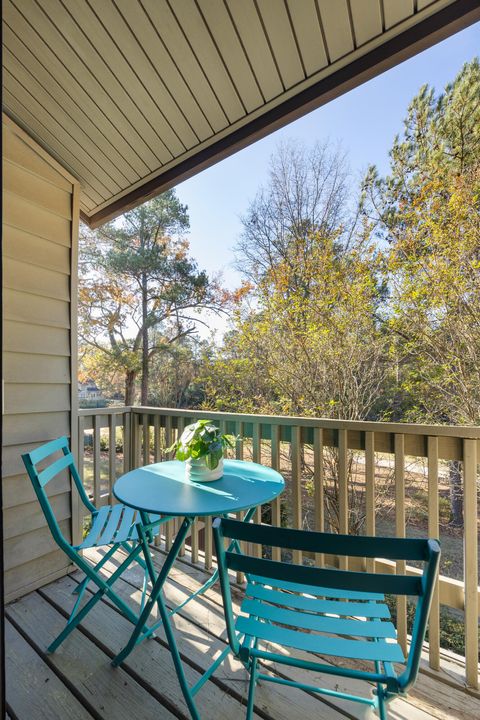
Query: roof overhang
(134, 96)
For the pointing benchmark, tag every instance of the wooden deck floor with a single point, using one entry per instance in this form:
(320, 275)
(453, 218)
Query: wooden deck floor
(78, 682)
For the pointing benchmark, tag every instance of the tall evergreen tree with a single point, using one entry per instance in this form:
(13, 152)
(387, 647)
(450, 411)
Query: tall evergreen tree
(140, 291)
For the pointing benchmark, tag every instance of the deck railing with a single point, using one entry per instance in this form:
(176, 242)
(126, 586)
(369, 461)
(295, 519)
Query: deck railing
(341, 476)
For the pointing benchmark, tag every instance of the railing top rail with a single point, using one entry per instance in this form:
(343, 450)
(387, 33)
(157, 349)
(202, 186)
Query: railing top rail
(116, 410)
(463, 431)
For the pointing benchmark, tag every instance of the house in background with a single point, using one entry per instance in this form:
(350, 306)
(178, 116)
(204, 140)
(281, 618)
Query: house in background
(107, 104)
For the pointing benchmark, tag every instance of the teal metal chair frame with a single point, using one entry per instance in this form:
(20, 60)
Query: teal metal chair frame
(114, 527)
(284, 600)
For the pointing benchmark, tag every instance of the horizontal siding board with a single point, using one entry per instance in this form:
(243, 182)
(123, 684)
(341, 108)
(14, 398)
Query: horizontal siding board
(27, 307)
(27, 368)
(35, 220)
(31, 248)
(37, 190)
(33, 428)
(37, 262)
(31, 546)
(33, 574)
(17, 151)
(35, 339)
(19, 275)
(25, 518)
(18, 489)
(33, 398)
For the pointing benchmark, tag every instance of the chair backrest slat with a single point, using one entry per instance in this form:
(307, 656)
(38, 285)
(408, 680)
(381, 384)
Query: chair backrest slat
(54, 469)
(329, 543)
(47, 449)
(321, 577)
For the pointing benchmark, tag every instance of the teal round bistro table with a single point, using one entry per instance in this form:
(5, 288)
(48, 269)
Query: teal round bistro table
(162, 489)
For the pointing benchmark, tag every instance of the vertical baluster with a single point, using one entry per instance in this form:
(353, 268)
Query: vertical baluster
(276, 504)
(256, 550)
(318, 487)
(239, 431)
(81, 447)
(157, 448)
(168, 431)
(208, 542)
(343, 489)
(127, 441)
(146, 439)
(399, 447)
(169, 526)
(112, 455)
(180, 429)
(470, 461)
(157, 456)
(81, 471)
(433, 532)
(96, 461)
(136, 453)
(194, 534)
(295, 449)
(370, 492)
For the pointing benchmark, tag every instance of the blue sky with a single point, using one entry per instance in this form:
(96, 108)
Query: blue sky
(365, 121)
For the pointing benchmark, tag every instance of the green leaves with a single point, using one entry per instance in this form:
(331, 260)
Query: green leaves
(202, 439)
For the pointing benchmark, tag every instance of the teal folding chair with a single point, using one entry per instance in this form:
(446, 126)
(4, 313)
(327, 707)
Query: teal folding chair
(325, 611)
(112, 527)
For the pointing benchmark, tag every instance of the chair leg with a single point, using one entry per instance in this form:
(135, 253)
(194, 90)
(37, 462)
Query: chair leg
(382, 705)
(104, 588)
(251, 688)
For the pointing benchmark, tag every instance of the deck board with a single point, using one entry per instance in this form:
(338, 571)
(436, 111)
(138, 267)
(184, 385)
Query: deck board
(78, 681)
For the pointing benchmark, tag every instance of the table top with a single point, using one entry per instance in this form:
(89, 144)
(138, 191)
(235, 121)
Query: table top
(163, 489)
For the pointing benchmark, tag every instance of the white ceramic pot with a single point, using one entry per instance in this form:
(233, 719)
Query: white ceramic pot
(196, 470)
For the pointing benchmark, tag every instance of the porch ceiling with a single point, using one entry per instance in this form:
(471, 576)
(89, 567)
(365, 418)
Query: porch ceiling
(133, 96)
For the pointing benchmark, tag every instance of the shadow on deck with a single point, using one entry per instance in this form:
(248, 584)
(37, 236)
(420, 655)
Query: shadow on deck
(77, 681)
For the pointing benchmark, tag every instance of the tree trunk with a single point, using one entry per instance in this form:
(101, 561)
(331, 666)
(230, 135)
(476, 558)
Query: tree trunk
(456, 493)
(145, 359)
(130, 387)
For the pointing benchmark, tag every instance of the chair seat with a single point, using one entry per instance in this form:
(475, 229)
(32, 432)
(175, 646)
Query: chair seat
(305, 618)
(114, 524)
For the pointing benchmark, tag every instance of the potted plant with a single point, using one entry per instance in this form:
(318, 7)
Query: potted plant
(201, 446)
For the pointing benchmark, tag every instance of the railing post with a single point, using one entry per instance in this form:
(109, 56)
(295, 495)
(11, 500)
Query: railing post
(433, 532)
(370, 491)
(296, 486)
(470, 560)
(343, 489)
(318, 480)
(401, 565)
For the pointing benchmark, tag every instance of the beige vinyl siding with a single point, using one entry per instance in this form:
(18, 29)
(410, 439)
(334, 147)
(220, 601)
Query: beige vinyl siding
(39, 252)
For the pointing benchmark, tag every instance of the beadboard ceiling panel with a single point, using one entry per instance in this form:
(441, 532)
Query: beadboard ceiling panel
(133, 96)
